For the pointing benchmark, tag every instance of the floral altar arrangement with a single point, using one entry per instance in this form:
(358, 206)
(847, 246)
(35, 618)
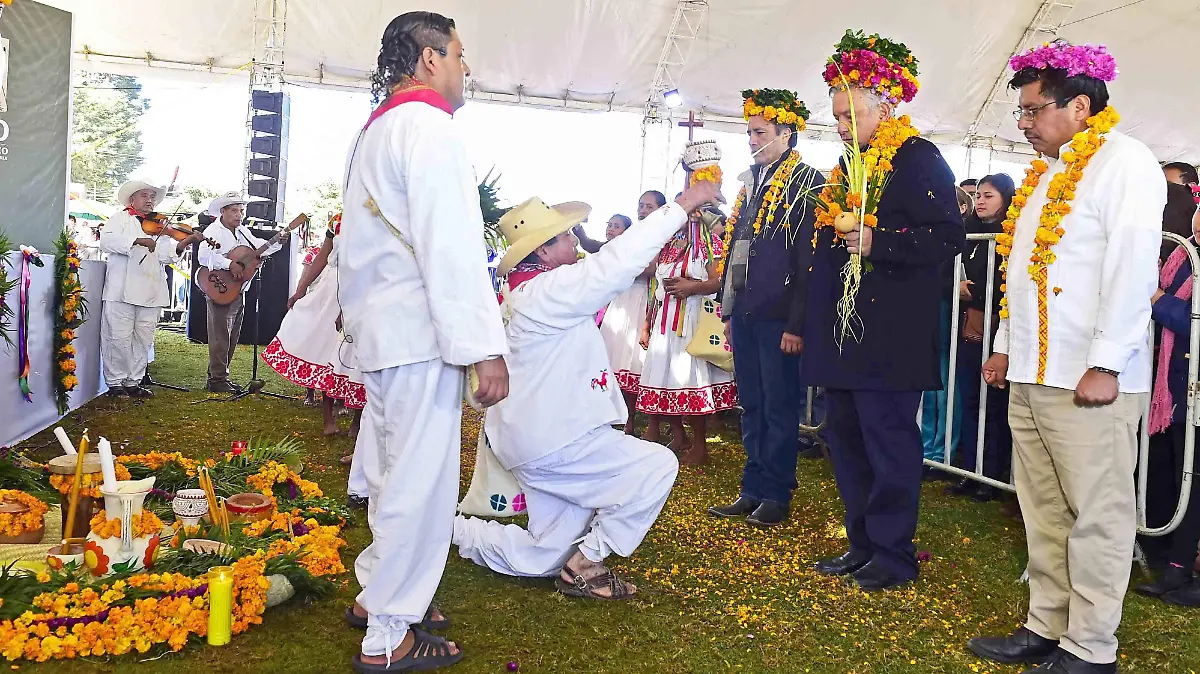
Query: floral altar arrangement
(68, 612)
(852, 194)
(70, 311)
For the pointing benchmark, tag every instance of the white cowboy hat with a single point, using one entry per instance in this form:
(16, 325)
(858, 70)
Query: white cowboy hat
(131, 187)
(529, 226)
(214, 208)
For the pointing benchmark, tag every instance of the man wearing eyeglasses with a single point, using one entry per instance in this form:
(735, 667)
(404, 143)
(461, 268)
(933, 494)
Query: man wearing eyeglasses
(1082, 258)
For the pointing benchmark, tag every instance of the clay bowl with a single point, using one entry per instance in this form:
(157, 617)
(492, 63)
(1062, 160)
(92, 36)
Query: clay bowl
(248, 507)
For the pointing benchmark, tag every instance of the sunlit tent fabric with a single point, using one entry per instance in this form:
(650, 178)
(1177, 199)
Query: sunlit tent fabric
(605, 52)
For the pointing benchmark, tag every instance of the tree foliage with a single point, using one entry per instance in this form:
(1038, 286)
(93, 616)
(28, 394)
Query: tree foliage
(106, 142)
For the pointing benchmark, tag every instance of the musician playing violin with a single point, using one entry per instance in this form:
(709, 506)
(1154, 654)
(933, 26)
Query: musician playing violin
(135, 287)
(225, 320)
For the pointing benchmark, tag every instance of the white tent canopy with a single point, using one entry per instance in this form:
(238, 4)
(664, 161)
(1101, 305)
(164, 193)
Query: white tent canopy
(605, 53)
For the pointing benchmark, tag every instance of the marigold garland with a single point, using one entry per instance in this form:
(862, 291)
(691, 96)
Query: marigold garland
(142, 524)
(70, 313)
(1059, 194)
(838, 197)
(709, 173)
(91, 481)
(97, 627)
(318, 549)
(15, 524)
(730, 224)
(156, 460)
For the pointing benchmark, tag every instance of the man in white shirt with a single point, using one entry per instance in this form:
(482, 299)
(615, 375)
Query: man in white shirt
(1075, 348)
(135, 288)
(225, 320)
(590, 489)
(417, 301)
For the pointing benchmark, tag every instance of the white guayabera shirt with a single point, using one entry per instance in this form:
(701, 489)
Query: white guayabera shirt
(1103, 279)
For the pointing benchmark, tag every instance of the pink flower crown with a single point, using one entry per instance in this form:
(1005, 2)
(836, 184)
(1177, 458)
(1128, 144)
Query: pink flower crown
(1086, 59)
(876, 63)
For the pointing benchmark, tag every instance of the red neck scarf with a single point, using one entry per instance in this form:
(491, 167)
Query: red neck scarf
(411, 90)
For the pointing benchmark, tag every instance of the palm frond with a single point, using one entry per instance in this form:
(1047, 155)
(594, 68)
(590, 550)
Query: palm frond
(18, 590)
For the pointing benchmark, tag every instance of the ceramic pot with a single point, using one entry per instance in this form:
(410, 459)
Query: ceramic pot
(249, 507)
(701, 154)
(57, 559)
(189, 505)
(24, 538)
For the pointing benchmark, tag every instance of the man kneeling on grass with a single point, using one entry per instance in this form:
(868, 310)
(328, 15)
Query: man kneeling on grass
(590, 489)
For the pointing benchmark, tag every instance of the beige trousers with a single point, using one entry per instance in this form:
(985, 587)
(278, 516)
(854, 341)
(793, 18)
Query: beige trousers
(1073, 469)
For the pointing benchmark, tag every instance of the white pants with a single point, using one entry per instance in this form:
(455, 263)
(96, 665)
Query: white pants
(414, 415)
(364, 466)
(126, 336)
(606, 488)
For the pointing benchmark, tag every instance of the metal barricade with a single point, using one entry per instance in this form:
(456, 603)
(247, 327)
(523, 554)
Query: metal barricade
(1193, 394)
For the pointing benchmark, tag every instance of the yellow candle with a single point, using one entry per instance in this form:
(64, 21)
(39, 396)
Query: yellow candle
(220, 605)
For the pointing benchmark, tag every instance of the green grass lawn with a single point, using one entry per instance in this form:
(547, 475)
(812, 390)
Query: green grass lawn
(716, 596)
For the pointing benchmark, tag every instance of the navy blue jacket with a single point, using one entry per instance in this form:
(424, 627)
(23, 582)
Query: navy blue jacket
(777, 271)
(1175, 314)
(898, 302)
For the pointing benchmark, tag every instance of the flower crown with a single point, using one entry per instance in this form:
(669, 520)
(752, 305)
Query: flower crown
(875, 63)
(775, 105)
(1086, 59)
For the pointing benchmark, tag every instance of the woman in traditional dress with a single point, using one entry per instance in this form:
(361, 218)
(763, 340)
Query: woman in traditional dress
(675, 384)
(622, 320)
(309, 341)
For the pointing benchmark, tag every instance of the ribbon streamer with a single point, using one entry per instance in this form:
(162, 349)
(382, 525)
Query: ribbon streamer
(28, 256)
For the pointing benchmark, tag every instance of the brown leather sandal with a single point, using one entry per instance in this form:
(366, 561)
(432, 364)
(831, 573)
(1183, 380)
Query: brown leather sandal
(585, 588)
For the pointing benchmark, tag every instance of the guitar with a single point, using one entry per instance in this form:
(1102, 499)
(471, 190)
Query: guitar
(220, 286)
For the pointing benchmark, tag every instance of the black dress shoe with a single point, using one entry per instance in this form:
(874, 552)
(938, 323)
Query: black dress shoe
(768, 514)
(873, 578)
(845, 564)
(1062, 662)
(963, 487)
(1171, 579)
(139, 392)
(739, 508)
(1187, 596)
(1020, 647)
(356, 502)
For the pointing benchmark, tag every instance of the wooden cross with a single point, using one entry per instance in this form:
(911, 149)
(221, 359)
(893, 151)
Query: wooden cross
(691, 124)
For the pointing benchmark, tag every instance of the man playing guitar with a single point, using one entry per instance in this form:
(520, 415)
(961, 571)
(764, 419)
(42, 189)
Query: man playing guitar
(225, 319)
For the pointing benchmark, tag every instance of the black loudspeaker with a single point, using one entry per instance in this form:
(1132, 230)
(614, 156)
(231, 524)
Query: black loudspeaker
(274, 287)
(269, 124)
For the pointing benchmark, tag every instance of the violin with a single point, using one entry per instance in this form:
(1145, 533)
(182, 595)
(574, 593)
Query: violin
(158, 224)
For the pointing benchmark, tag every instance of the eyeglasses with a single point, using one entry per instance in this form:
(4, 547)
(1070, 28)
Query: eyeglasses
(1029, 113)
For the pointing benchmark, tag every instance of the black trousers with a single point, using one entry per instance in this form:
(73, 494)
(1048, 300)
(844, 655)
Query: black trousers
(997, 436)
(1165, 482)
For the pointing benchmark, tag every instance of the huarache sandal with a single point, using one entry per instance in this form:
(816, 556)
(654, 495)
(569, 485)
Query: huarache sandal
(428, 652)
(428, 624)
(585, 588)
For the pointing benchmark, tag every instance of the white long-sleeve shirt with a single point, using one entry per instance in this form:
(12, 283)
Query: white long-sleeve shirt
(135, 273)
(561, 383)
(229, 239)
(405, 305)
(1106, 271)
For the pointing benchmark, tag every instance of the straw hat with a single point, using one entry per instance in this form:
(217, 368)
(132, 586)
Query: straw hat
(131, 187)
(529, 226)
(214, 208)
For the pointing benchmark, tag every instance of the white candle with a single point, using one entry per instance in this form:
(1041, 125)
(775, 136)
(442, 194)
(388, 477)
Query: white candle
(107, 465)
(64, 440)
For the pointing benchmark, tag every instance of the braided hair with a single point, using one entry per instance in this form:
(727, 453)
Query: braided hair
(403, 41)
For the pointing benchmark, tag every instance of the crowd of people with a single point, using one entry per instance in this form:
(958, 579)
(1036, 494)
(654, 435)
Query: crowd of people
(685, 312)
